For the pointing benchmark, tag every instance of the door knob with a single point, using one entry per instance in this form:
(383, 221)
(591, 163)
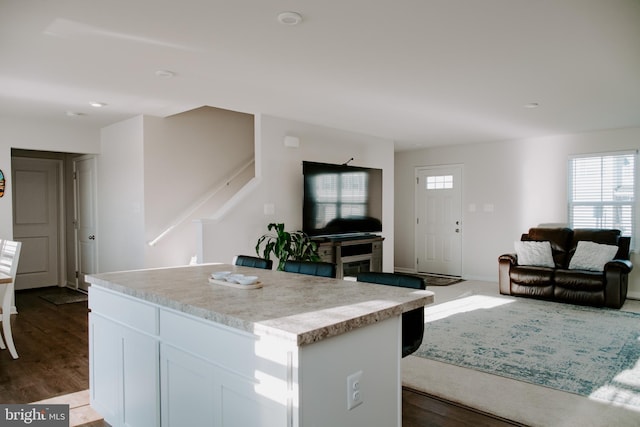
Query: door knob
(92, 237)
(457, 230)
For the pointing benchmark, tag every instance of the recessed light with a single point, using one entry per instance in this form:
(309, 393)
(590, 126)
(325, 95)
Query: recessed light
(531, 105)
(165, 74)
(289, 18)
(97, 104)
(73, 113)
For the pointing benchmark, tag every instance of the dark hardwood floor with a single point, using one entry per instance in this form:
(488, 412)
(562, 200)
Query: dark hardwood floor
(52, 345)
(422, 410)
(52, 342)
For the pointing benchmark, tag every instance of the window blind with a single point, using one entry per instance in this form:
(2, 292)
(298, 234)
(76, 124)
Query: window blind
(602, 191)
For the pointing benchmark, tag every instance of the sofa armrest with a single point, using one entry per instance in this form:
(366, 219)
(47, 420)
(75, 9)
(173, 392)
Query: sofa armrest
(625, 266)
(511, 258)
(617, 277)
(504, 266)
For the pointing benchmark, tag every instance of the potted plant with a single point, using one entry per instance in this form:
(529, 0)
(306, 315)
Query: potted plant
(285, 245)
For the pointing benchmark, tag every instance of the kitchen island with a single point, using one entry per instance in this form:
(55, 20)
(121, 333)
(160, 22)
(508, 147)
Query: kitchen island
(169, 348)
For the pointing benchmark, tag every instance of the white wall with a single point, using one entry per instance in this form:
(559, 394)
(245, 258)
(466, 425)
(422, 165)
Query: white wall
(121, 197)
(152, 170)
(279, 172)
(38, 135)
(525, 181)
(186, 157)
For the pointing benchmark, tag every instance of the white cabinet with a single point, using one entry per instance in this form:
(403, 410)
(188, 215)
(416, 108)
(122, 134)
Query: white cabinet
(155, 366)
(210, 375)
(168, 369)
(124, 362)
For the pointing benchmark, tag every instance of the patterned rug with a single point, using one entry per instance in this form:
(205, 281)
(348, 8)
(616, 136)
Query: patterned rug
(587, 351)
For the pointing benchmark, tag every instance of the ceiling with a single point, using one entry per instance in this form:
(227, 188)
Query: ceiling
(420, 72)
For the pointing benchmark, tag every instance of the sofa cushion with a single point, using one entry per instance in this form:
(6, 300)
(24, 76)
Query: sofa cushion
(596, 299)
(596, 235)
(592, 256)
(534, 253)
(559, 238)
(580, 280)
(531, 276)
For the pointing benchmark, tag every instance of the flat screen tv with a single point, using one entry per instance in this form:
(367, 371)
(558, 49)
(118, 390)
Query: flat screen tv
(341, 199)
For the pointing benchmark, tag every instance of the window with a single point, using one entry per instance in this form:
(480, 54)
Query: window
(602, 191)
(443, 182)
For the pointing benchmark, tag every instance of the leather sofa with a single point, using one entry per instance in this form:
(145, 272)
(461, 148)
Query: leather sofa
(563, 282)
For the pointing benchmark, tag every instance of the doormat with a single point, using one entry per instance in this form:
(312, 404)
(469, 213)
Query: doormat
(437, 280)
(64, 296)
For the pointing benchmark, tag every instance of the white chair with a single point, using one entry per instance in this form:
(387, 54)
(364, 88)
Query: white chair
(9, 255)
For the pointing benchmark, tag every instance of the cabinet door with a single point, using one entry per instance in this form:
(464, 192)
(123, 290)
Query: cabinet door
(140, 376)
(326, 252)
(198, 393)
(105, 376)
(188, 397)
(124, 374)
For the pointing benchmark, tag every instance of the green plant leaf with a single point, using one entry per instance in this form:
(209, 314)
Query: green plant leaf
(285, 245)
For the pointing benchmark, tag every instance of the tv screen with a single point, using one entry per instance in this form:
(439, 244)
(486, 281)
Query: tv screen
(341, 199)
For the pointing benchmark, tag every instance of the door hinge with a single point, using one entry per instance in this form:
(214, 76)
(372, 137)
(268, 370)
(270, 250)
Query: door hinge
(77, 274)
(417, 180)
(417, 261)
(417, 220)
(75, 175)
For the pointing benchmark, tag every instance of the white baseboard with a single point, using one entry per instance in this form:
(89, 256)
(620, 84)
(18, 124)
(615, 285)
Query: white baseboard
(477, 278)
(633, 295)
(492, 279)
(404, 270)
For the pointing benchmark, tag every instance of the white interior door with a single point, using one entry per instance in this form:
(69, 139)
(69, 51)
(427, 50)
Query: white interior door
(85, 218)
(36, 220)
(438, 220)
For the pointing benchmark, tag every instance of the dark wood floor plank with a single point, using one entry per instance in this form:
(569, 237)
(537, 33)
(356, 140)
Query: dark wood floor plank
(422, 410)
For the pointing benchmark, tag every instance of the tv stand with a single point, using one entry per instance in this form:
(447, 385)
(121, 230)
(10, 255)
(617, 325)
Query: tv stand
(352, 254)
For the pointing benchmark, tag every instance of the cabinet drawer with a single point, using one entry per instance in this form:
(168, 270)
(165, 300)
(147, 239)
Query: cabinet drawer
(122, 309)
(209, 340)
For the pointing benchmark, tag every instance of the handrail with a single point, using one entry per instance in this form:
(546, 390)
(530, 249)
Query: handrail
(201, 201)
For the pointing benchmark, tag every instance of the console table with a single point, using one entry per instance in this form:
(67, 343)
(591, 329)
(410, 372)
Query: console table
(352, 255)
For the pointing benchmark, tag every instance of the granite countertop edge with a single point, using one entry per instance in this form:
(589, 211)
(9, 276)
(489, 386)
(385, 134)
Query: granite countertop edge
(301, 329)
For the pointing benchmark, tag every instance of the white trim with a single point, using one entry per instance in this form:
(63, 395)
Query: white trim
(633, 295)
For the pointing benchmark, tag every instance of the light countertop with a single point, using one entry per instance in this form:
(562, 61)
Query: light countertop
(296, 307)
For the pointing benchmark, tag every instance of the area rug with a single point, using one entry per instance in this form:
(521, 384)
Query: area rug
(64, 296)
(587, 351)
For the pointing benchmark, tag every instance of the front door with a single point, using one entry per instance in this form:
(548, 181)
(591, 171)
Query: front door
(36, 220)
(85, 219)
(438, 222)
